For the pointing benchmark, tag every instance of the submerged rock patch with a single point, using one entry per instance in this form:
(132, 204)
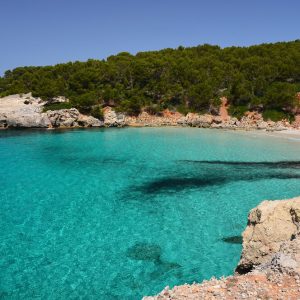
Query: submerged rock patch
(152, 253)
(144, 251)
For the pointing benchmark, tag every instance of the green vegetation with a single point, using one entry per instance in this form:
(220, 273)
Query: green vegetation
(238, 111)
(56, 106)
(97, 112)
(264, 77)
(276, 115)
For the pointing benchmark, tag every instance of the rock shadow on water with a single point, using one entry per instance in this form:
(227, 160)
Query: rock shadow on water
(203, 177)
(200, 181)
(235, 239)
(268, 164)
(175, 184)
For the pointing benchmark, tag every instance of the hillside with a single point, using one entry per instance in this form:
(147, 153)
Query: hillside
(264, 78)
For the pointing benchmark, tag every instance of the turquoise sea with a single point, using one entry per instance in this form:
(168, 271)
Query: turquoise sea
(121, 213)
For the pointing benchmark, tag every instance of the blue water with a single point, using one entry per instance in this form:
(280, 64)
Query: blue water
(121, 213)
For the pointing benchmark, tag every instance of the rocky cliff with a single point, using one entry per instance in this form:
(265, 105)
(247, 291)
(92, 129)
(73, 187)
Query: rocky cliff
(269, 267)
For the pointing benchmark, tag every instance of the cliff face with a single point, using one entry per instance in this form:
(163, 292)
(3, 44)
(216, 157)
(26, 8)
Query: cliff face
(269, 267)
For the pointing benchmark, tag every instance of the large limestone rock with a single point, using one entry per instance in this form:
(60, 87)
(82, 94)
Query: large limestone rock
(35, 120)
(270, 225)
(22, 111)
(66, 118)
(113, 119)
(63, 117)
(25, 111)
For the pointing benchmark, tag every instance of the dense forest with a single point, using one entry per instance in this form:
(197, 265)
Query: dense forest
(265, 77)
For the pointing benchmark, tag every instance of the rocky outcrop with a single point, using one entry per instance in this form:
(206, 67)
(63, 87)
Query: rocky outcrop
(165, 118)
(251, 121)
(269, 267)
(112, 118)
(223, 111)
(32, 120)
(67, 118)
(25, 111)
(63, 117)
(22, 111)
(269, 225)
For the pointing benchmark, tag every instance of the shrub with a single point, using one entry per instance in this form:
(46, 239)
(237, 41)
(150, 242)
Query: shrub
(152, 109)
(97, 112)
(238, 111)
(277, 115)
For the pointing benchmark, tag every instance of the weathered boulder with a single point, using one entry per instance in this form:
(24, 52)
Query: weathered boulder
(63, 117)
(66, 118)
(112, 118)
(269, 225)
(35, 120)
(22, 111)
(89, 121)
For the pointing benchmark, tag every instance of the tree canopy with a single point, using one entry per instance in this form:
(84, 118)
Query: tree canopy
(182, 79)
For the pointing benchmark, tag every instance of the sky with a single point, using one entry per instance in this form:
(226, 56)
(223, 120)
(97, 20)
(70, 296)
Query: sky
(46, 32)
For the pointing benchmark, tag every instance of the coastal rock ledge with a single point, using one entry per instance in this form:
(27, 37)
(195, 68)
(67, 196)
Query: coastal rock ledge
(26, 111)
(269, 267)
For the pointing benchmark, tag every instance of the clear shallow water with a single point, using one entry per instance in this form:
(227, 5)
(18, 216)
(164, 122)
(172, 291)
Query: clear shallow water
(121, 213)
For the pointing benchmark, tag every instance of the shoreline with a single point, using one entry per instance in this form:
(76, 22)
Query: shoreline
(291, 132)
(25, 111)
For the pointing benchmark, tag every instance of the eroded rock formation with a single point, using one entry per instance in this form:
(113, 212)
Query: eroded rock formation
(112, 118)
(269, 225)
(66, 118)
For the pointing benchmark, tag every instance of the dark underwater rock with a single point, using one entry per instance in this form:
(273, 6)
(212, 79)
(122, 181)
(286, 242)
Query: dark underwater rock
(144, 251)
